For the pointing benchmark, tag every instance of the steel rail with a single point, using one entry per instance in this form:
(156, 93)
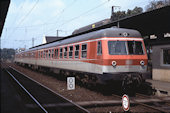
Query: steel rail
(145, 105)
(78, 106)
(33, 98)
(156, 97)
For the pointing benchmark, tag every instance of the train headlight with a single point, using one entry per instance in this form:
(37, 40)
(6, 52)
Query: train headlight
(114, 63)
(142, 63)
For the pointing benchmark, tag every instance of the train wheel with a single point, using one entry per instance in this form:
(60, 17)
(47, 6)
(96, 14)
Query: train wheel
(128, 85)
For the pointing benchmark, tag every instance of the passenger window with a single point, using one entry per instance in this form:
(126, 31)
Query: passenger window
(38, 54)
(77, 51)
(46, 53)
(99, 48)
(65, 52)
(70, 51)
(41, 54)
(49, 54)
(61, 50)
(56, 53)
(52, 53)
(84, 51)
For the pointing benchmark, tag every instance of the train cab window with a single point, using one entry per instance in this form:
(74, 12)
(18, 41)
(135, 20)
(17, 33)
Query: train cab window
(61, 52)
(56, 53)
(76, 51)
(84, 51)
(135, 47)
(65, 52)
(99, 48)
(117, 47)
(70, 51)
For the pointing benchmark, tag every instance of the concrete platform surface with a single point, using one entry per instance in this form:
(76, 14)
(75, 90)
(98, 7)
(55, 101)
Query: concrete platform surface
(161, 86)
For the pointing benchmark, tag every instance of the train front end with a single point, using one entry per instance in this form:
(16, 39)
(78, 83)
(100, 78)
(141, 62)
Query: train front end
(125, 61)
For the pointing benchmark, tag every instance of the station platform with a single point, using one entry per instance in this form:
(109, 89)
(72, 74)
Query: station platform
(162, 88)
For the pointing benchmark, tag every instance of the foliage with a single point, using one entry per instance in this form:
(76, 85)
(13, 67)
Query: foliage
(122, 14)
(137, 10)
(7, 53)
(157, 4)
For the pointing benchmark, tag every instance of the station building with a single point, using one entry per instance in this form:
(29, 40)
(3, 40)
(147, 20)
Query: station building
(161, 62)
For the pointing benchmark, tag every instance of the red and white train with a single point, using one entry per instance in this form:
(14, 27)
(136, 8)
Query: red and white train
(103, 56)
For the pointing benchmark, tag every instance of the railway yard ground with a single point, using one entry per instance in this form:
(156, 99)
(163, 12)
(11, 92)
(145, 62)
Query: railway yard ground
(89, 100)
(162, 87)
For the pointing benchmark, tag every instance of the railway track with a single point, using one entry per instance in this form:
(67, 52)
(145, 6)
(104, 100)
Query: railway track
(140, 103)
(146, 103)
(40, 99)
(162, 104)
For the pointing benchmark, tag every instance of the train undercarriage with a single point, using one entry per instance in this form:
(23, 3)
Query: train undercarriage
(123, 83)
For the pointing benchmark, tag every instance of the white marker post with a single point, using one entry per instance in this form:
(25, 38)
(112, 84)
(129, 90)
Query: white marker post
(70, 83)
(125, 102)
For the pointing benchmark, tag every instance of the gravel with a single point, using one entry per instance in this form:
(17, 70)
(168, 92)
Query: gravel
(77, 95)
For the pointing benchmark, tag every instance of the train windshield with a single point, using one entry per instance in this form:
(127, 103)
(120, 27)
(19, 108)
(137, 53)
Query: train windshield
(117, 48)
(125, 47)
(135, 47)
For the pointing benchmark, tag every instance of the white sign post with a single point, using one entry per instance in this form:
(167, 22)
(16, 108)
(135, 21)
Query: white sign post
(125, 102)
(70, 83)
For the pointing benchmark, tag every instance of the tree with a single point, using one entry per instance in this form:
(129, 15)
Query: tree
(121, 14)
(7, 53)
(157, 4)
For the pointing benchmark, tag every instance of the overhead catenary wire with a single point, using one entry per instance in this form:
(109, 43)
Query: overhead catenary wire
(59, 16)
(66, 22)
(15, 18)
(57, 20)
(45, 23)
(84, 13)
(25, 27)
(25, 16)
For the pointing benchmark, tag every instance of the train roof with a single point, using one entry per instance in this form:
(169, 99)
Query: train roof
(108, 32)
(91, 26)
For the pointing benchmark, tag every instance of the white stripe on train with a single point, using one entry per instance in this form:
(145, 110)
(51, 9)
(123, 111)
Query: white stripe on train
(84, 66)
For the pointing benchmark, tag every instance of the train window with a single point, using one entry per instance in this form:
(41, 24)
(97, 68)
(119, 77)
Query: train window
(61, 51)
(41, 54)
(70, 51)
(32, 54)
(65, 52)
(52, 53)
(117, 47)
(56, 53)
(49, 53)
(77, 51)
(46, 53)
(84, 51)
(99, 48)
(135, 47)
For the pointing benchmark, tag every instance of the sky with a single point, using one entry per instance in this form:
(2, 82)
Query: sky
(34, 19)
